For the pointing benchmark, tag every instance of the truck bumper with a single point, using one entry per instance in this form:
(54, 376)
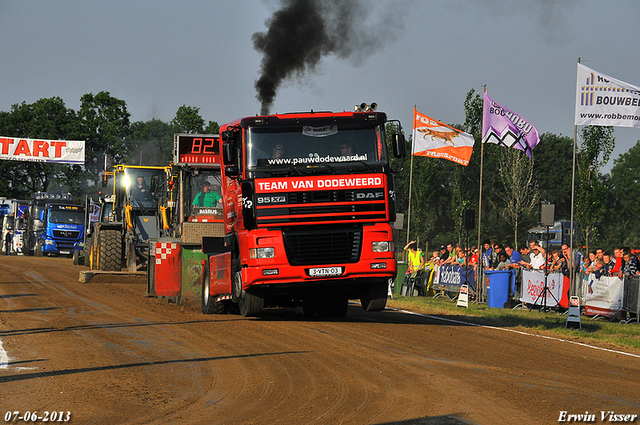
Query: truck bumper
(51, 246)
(277, 270)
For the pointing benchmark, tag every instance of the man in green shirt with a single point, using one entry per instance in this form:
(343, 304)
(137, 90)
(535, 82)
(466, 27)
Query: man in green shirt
(207, 198)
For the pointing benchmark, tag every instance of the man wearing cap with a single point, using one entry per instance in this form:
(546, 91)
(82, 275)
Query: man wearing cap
(207, 198)
(444, 254)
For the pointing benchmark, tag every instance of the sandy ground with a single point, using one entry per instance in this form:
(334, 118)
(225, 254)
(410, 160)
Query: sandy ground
(108, 355)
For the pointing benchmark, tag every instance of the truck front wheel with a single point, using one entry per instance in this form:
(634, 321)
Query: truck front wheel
(251, 300)
(374, 297)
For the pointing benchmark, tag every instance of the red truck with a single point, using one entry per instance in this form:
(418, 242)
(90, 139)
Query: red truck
(308, 199)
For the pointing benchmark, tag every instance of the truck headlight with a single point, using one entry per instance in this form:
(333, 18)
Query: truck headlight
(383, 246)
(48, 242)
(267, 252)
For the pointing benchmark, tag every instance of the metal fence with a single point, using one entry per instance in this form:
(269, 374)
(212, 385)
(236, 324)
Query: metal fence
(631, 297)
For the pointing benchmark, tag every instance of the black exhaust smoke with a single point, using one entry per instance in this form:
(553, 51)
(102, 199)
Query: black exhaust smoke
(302, 32)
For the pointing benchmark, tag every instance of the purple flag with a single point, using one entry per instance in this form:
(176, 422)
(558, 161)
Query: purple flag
(502, 126)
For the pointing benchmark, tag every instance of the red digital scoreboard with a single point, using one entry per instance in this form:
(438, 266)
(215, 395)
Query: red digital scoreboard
(197, 149)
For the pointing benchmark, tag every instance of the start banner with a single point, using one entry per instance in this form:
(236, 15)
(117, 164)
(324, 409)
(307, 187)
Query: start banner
(37, 150)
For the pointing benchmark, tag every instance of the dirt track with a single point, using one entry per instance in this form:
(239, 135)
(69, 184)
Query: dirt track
(107, 354)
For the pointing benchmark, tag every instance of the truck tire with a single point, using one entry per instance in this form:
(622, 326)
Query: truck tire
(250, 301)
(208, 305)
(109, 255)
(76, 257)
(374, 297)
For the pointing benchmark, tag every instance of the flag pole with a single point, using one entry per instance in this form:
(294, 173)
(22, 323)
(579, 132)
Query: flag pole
(479, 273)
(411, 176)
(573, 189)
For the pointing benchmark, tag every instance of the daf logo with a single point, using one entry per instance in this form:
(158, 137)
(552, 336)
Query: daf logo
(369, 195)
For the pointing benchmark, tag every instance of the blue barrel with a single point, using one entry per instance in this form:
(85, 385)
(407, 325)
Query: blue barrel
(498, 287)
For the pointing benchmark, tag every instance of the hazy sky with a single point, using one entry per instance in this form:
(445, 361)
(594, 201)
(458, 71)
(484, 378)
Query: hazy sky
(158, 55)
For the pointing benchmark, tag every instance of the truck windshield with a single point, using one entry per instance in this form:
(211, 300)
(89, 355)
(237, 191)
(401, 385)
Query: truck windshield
(66, 216)
(205, 193)
(307, 146)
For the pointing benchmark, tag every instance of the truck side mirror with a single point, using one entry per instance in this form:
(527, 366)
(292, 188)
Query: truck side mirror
(231, 171)
(227, 136)
(399, 145)
(228, 153)
(42, 215)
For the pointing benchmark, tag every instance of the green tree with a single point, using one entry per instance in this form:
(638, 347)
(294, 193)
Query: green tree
(212, 128)
(624, 228)
(44, 119)
(105, 125)
(151, 143)
(521, 197)
(553, 170)
(188, 120)
(597, 144)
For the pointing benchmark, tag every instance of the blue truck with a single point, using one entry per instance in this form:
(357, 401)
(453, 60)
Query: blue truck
(54, 225)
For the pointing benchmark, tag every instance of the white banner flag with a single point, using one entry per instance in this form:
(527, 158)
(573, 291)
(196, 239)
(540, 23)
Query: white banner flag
(603, 100)
(59, 151)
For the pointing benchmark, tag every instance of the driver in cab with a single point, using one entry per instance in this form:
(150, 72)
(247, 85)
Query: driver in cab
(208, 198)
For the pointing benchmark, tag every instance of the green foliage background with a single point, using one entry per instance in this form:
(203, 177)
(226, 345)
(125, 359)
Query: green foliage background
(441, 189)
(103, 122)
(606, 205)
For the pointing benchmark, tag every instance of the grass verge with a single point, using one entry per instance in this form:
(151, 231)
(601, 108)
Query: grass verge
(603, 333)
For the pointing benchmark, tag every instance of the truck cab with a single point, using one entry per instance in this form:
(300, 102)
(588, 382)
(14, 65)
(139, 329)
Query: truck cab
(62, 229)
(308, 200)
(53, 224)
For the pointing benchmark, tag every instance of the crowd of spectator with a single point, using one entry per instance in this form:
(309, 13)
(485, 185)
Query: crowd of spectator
(495, 256)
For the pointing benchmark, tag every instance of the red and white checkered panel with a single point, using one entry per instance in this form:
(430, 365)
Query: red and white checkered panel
(164, 250)
(168, 273)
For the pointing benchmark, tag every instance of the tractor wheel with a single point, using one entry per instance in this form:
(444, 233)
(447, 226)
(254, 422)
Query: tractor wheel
(87, 252)
(109, 255)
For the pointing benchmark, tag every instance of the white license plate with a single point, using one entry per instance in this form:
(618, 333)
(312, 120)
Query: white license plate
(325, 271)
(65, 252)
